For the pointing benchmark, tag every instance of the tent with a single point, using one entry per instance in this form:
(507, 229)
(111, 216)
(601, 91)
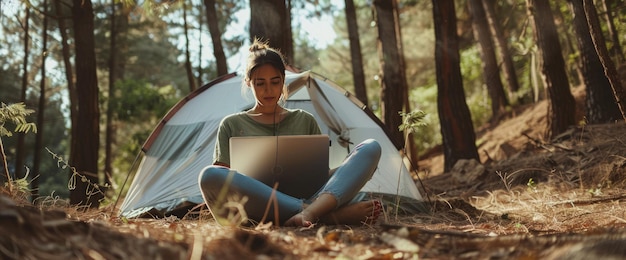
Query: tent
(182, 144)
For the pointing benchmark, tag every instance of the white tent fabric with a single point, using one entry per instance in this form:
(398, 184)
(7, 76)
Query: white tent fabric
(182, 144)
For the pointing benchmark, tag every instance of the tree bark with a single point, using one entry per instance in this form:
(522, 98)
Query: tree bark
(502, 47)
(457, 130)
(562, 105)
(19, 149)
(355, 52)
(69, 74)
(200, 69)
(214, 30)
(110, 128)
(270, 20)
(491, 73)
(600, 103)
(616, 48)
(392, 78)
(85, 149)
(34, 182)
(410, 149)
(190, 78)
(609, 69)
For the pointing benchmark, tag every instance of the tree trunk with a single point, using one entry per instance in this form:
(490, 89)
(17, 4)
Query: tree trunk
(392, 80)
(600, 103)
(190, 78)
(502, 47)
(562, 105)
(607, 63)
(19, 149)
(287, 50)
(457, 130)
(34, 182)
(85, 149)
(270, 21)
(121, 40)
(409, 141)
(110, 128)
(491, 73)
(355, 52)
(69, 74)
(218, 50)
(200, 72)
(568, 38)
(616, 48)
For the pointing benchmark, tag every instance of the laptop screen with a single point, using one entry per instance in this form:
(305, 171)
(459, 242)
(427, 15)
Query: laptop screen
(298, 163)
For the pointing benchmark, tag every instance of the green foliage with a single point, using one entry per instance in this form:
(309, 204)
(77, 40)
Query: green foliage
(15, 113)
(476, 93)
(424, 98)
(137, 106)
(137, 99)
(480, 108)
(19, 188)
(412, 120)
(471, 70)
(55, 185)
(305, 53)
(532, 186)
(22, 184)
(54, 126)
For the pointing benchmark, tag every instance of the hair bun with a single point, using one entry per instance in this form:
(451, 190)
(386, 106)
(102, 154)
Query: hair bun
(258, 45)
(260, 54)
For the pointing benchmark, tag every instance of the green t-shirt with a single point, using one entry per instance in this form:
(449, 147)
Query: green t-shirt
(296, 122)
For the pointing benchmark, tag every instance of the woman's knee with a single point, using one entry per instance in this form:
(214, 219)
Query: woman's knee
(371, 147)
(213, 177)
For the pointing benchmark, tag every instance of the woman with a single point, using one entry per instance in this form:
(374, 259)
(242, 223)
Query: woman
(265, 77)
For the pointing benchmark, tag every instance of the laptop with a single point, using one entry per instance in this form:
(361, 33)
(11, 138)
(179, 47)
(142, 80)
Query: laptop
(298, 163)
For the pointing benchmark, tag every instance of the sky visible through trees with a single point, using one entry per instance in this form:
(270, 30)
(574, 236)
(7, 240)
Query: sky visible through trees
(318, 30)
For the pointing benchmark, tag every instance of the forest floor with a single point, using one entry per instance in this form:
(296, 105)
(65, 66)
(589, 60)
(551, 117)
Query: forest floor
(529, 199)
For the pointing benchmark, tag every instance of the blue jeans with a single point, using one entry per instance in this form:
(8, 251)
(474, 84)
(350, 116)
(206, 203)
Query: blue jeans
(219, 183)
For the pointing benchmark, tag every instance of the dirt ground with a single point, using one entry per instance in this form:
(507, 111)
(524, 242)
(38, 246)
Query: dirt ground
(528, 199)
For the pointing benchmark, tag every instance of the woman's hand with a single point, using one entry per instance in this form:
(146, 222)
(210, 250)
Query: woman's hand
(221, 164)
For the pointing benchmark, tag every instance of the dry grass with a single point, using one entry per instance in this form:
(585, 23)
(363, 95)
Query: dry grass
(550, 218)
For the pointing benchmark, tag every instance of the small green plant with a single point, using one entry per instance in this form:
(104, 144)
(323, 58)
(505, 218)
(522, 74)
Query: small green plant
(520, 226)
(532, 186)
(411, 121)
(22, 184)
(597, 191)
(15, 113)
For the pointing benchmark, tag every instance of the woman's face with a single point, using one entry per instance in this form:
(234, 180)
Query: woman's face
(267, 86)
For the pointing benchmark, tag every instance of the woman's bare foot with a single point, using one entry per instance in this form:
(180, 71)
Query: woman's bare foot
(364, 212)
(322, 209)
(321, 206)
(299, 220)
